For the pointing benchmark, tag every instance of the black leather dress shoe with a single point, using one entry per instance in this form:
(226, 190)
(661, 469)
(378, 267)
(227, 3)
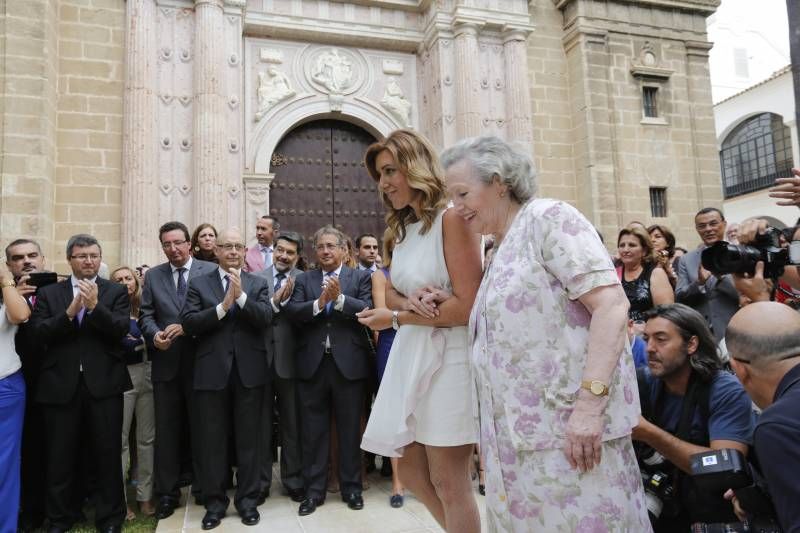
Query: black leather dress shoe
(250, 517)
(211, 520)
(297, 495)
(165, 508)
(111, 529)
(309, 505)
(354, 501)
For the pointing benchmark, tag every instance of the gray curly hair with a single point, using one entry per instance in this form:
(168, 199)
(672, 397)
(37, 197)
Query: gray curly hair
(491, 156)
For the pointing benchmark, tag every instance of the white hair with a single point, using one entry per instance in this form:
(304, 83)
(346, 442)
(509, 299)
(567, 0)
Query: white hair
(491, 156)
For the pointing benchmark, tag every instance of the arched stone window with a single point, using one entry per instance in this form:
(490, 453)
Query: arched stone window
(755, 153)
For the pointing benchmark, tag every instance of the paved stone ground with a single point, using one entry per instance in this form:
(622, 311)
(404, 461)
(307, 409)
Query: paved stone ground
(279, 514)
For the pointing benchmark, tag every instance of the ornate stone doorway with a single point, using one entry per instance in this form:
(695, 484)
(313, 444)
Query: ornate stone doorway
(320, 179)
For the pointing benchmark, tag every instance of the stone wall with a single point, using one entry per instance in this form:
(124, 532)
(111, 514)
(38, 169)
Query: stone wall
(592, 85)
(89, 122)
(28, 104)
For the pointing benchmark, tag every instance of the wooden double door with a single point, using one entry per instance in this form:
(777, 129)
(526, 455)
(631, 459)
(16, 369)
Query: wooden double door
(320, 179)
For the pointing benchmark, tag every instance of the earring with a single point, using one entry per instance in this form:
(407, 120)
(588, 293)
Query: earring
(196, 248)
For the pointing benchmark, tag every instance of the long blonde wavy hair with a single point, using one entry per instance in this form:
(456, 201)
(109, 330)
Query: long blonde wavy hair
(417, 160)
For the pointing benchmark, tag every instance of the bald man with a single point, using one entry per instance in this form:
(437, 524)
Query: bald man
(763, 340)
(227, 310)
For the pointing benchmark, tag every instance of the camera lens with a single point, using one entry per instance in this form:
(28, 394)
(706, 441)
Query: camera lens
(725, 258)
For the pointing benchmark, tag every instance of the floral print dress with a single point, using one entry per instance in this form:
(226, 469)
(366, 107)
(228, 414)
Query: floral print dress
(529, 336)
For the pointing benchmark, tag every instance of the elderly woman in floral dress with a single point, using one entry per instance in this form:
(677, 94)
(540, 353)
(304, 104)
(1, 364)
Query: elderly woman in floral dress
(555, 378)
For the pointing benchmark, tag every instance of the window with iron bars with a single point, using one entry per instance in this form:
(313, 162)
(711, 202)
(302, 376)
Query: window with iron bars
(650, 101)
(658, 202)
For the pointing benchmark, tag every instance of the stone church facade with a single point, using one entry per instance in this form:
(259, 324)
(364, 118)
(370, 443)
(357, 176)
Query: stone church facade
(119, 115)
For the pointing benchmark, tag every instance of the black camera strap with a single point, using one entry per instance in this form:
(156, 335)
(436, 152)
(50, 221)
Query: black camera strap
(697, 395)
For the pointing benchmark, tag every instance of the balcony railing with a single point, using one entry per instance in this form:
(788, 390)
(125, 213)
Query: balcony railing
(746, 185)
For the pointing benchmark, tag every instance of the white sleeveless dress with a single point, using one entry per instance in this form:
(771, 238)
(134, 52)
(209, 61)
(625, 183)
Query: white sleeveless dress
(427, 393)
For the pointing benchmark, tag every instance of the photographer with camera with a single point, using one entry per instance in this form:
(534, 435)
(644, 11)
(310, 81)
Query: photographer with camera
(714, 296)
(764, 342)
(689, 406)
(777, 251)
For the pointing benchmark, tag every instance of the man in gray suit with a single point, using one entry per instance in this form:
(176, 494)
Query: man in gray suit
(280, 341)
(173, 363)
(714, 298)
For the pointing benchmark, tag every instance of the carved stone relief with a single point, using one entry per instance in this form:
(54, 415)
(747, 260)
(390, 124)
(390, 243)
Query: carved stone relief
(333, 71)
(394, 101)
(273, 87)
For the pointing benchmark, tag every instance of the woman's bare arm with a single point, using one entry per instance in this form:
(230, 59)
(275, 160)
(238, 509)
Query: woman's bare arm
(463, 259)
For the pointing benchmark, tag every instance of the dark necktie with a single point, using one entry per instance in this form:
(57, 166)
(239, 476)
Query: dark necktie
(181, 290)
(278, 279)
(329, 305)
(225, 284)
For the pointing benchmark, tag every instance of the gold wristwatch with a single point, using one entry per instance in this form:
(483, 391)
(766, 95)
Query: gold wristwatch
(7, 283)
(598, 388)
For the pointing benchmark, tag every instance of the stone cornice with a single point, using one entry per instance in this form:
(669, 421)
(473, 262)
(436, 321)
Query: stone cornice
(416, 6)
(704, 7)
(584, 24)
(295, 28)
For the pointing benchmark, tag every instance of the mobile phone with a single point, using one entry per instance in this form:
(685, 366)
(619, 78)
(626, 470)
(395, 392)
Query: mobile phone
(42, 279)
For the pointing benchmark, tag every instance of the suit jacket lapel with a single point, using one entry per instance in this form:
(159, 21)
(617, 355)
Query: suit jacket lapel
(216, 284)
(169, 286)
(344, 279)
(66, 292)
(270, 281)
(316, 283)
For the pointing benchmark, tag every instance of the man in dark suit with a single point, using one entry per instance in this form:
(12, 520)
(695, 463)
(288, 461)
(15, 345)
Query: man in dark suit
(227, 311)
(715, 298)
(23, 258)
(163, 295)
(281, 343)
(82, 377)
(332, 366)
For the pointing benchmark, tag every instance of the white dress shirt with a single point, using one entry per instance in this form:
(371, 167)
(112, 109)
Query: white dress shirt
(240, 300)
(339, 304)
(187, 266)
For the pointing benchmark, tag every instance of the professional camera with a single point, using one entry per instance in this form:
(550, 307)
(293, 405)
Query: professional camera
(659, 486)
(658, 494)
(726, 258)
(716, 471)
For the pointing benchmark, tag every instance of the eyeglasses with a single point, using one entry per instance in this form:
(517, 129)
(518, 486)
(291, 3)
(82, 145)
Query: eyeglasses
(173, 244)
(329, 247)
(228, 246)
(84, 257)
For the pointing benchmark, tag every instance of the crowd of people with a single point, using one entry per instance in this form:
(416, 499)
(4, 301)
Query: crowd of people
(596, 386)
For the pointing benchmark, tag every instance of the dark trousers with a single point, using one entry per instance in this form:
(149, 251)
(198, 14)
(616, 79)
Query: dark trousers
(265, 444)
(96, 422)
(175, 448)
(33, 461)
(241, 407)
(289, 422)
(327, 389)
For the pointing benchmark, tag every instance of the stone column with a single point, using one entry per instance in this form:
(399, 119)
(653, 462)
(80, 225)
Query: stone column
(210, 201)
(467, 81)
(139, 143)
(518, 101)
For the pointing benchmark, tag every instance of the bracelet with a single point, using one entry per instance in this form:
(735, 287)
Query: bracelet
(7, 283)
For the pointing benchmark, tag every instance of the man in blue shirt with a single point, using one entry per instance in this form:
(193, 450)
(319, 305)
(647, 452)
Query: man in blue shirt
(691, 406)
(763, 339)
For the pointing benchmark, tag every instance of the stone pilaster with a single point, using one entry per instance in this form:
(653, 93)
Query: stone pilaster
(210, 147)
(140, 144)
(518, 102)
(467, 80)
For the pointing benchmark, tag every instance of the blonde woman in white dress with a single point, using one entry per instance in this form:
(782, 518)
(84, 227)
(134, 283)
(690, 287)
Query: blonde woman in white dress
(426, 408)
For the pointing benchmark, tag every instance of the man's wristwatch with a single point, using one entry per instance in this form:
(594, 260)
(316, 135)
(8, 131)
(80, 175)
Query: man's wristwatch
(7, 283)
(395, 322)
(598, 388)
